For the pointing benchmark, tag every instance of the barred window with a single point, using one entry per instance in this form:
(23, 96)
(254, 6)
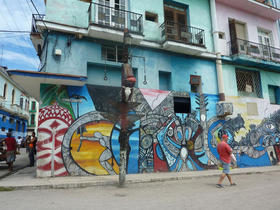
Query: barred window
(112, 53)
(248, 83)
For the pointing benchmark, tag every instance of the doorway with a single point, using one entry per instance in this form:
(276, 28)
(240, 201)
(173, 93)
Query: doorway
(176, 23)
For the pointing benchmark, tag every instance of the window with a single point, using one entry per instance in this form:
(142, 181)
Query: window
(5, 90)
(265, 39)
(33, 106)
(109, 13)
(32, 122)
(164, 80)
(21, 103)
(26, 107)
(274, 94)
(182, 105)
(11, 121)
(195, 82)
(13, 96)
(248, 83)
(4, 118)
(112, 53)
(175, 18)
(23, 127)
(17, 126)
(151, 17)
(222, 35)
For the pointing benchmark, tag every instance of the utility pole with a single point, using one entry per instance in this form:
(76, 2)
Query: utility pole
(128, 82)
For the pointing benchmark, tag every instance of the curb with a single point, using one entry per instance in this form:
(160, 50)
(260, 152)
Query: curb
(113, 181)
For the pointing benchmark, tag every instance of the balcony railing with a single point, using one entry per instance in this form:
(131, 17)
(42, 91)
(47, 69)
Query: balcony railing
(36, 17)
(254, 50)
(115, 18)
(272, 3)
(181, 33)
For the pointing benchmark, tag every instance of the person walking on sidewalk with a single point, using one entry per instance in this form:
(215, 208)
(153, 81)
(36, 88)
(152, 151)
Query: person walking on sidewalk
(11, 145)
(32, 149)
(225, 153)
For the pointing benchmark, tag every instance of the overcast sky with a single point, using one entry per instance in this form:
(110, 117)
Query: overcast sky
(16, 49)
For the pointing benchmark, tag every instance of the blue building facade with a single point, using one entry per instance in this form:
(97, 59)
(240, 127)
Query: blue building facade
(14, 102)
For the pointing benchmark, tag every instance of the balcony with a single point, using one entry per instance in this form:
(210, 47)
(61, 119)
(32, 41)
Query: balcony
(265, 8)
(255, 52)
(109, 23)
(36, 36)
(17, 110)
(182, 38)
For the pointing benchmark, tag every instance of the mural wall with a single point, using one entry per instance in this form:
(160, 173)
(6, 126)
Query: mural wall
(79, 131)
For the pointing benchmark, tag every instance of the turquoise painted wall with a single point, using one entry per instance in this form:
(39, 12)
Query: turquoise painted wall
(199, 16)
(69, 12)
(75, 13)
(82, 55)
(267, 78)
(152, 30)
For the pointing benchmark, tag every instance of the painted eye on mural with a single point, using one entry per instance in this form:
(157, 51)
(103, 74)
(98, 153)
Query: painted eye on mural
(270, 126)
(146, 141)
(170, 131)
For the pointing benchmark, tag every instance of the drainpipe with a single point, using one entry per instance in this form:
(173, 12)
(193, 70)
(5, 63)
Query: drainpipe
(219, 66)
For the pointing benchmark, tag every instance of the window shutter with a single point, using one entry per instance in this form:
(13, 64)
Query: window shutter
(233, 40)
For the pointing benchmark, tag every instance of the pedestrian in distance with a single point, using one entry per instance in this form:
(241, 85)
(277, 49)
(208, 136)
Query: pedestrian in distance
(11, 145)
(19, 139)
(32, 149)
(27, 142)
(225, 153)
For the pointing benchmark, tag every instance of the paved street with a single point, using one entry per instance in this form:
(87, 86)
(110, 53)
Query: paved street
(254, 191)
(22, 160)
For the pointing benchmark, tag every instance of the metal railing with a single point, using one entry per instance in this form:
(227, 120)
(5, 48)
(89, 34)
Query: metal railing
(115, 18)
(271, 3)
(182, 33)
(254, 50)
(36, 17)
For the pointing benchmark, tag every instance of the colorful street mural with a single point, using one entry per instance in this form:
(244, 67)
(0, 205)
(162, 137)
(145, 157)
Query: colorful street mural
(79, 133)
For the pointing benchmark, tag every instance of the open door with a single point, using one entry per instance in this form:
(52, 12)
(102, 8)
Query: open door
(175, 23)
(233, 37)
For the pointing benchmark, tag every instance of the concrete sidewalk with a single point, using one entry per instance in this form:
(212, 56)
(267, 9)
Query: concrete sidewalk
(26, 179)
(22, 161)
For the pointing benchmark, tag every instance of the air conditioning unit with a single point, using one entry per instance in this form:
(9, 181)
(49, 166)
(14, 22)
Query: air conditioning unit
(224, 108)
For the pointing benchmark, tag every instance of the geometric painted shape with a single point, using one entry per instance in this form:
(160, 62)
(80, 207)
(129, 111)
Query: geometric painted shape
(154, 97)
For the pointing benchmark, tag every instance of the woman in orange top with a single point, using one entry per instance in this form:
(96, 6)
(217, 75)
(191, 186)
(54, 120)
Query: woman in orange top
(32, 149)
